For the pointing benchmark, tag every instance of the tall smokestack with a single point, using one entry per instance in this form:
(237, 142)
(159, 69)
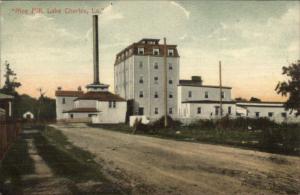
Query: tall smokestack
(96, 49)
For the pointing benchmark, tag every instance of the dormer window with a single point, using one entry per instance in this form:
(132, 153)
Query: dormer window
(156, 51)
(141, 51)
(170, 52)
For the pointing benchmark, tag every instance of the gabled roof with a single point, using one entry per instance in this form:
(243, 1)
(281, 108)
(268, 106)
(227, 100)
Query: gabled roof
(82, 110)
(100, 96)
(60, 93)
(5, 97)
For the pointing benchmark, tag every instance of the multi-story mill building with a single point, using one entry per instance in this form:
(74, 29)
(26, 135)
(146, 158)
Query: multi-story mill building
(139, 77)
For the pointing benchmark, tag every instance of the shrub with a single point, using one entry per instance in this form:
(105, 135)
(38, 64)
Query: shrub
(161, 121)
(203, 124)
(280, 140)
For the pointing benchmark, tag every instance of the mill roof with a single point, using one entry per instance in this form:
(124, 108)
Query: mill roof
(60, 93)
(82, 110)
(100, 96)
(4, 96)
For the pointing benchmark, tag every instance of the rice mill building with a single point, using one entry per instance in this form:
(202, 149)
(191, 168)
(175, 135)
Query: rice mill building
(138, 76)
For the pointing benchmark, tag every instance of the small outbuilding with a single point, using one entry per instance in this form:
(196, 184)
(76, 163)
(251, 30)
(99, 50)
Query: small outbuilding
(28, 115)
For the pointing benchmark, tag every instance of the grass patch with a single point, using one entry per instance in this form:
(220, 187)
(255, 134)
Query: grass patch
(16, 163)
(69, 161)
(259, 134)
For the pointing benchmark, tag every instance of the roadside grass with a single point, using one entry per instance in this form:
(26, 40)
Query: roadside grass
(16, 163)
(258, 134)
(69, 161)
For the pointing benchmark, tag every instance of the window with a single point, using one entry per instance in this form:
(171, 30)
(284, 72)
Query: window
(64, 101)
(190, 94)
(256, 114)
(170, 95)
(206, 94)
(156, 80)
(71, 115)
(156, 95)
(170, 81)
(170, 110)
(217, 110)
(170, 52)
(283, 114)
(141, 111)
(141, 94)
(114, 104)
(156, 52)
(199, 110)
(141, 64)
(156, 111)
(155, 65)
(91, 115)
(229, 109)
(109, 104)
(141, 79)
(141, 51)
(270, 114)
(222, 94)
(170, 66)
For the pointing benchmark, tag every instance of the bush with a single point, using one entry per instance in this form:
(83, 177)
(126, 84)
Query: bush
(280, 140)
(161, 122)
(204, 124)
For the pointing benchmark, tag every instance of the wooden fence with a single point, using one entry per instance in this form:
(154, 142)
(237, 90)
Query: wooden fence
(9, 131)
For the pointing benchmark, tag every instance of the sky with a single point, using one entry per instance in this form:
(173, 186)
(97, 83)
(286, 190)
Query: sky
(253, 39)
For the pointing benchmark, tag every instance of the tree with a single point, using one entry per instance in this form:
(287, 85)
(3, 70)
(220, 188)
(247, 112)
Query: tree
(240, 99)
(254, 99)
(291, 87)
(11, 83)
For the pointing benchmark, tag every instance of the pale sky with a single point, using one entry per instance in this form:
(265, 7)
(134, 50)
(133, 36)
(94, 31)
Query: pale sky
(252, 39)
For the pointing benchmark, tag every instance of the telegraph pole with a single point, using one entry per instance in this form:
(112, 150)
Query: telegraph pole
(165, 83)
(220, 80)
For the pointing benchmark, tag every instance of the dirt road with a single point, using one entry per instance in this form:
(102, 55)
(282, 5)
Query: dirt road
(157, 166)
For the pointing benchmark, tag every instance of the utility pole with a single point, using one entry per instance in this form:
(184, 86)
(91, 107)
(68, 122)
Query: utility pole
(42, 93)
(165, 83)
(220, 80)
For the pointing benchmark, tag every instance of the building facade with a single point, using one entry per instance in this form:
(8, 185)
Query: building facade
(274, 111)
(65, 101)
(139, 77)
(198, 101)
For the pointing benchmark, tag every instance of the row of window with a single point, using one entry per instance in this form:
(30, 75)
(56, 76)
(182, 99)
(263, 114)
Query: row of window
(199, 110)
(156, 66)
(155, 51)
(141, 80)
(271, 114)
(205, 94)
(156, 111)
(141, 94)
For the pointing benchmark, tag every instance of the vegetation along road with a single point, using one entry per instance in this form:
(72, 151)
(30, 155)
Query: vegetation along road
(148, 165)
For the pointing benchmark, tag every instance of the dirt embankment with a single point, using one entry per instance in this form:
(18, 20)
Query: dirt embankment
(157, 166)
